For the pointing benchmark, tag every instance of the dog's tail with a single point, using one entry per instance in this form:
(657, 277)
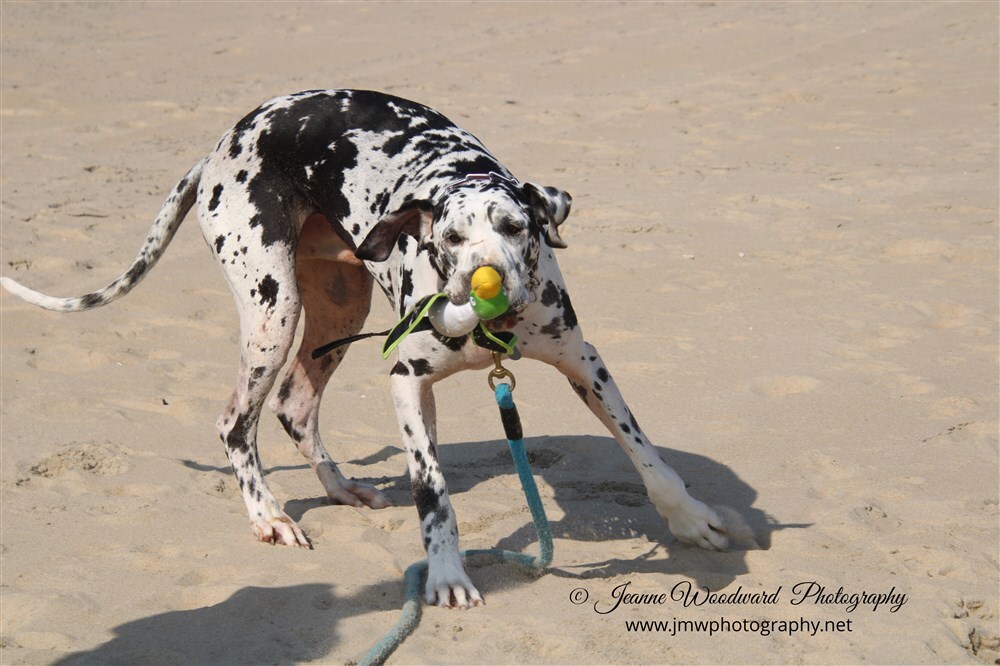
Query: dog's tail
(160, 234)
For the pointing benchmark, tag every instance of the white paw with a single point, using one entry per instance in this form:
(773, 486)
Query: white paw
(279, 529)
(358, 494)
(696, 524)
(448, 586)
(342, 490)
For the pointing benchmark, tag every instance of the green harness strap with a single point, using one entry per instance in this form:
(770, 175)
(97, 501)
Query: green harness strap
(416, 320)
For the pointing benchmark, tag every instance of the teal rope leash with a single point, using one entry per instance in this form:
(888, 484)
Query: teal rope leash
(515, 441)
(410, 615)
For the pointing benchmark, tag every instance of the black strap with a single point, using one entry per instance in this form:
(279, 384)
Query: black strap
(414, 320)
(494, 341)
(330, 346)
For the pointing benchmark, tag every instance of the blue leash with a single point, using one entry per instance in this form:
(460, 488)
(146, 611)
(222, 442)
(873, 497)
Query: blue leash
(410, 615)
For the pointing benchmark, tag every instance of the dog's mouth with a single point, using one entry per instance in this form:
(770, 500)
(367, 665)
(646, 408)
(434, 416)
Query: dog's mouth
(505, 321)
(458, 292)
(502, 322)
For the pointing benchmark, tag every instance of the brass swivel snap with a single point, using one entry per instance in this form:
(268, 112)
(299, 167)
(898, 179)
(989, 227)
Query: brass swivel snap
(500, 372)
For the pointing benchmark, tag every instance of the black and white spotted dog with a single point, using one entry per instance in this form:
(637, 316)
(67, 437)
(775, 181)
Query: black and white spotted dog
(310, 200)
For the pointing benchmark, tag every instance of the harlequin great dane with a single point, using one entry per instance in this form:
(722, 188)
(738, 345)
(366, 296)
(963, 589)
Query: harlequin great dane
(314, 197)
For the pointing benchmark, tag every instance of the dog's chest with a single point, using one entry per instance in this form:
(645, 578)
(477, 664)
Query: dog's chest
(407, 276)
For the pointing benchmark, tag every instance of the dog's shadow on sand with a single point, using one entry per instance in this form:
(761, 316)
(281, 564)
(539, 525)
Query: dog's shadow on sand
(613, 505)
(607, 506)
(289, 625)
(256, 625)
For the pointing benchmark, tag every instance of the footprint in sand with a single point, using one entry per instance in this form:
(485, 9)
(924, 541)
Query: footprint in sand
(781, 386)
(104, 459)
(948, 316)
(916, 249)
(975, 624)
(875, 517)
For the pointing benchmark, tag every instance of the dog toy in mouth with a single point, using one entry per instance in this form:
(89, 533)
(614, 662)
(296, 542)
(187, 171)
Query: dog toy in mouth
(486, 301)
(488, 298)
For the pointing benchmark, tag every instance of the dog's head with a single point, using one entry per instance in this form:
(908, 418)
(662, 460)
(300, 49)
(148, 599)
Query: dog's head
(480, 221)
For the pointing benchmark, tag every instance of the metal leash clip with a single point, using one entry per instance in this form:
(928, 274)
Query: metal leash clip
(500, 372)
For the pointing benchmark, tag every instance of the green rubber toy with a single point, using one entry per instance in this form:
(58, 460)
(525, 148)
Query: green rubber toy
(488, 298)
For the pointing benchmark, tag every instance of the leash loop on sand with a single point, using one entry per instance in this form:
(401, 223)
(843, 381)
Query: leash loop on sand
(410, 614)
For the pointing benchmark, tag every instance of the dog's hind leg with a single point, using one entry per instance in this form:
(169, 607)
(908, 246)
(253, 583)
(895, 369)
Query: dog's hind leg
(336, 293)
(267, 332)
(257, 256)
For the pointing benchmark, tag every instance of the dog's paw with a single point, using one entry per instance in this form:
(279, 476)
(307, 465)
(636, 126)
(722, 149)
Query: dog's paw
(696, 524)
(342, 490)
(448, 586)
(358, 494)
(279, 529)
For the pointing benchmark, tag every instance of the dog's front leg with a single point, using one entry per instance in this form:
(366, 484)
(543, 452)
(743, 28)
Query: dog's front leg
(447, 583)
(689, 520)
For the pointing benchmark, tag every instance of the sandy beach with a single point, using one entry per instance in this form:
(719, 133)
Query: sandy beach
(784, 243)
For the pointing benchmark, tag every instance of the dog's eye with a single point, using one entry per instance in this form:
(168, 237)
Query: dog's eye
(512, 228)
(453, 238)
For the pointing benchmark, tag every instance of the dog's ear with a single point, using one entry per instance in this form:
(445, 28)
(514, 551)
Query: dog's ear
(550, 206)
(413, 218)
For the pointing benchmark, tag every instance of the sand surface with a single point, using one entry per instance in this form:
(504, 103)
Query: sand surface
(784, 243)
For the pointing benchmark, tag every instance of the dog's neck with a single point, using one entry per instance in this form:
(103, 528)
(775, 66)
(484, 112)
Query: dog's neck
(492, 176)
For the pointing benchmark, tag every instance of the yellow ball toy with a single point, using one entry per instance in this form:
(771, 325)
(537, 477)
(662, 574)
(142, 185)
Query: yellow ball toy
(488, 299)
(486, 282)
